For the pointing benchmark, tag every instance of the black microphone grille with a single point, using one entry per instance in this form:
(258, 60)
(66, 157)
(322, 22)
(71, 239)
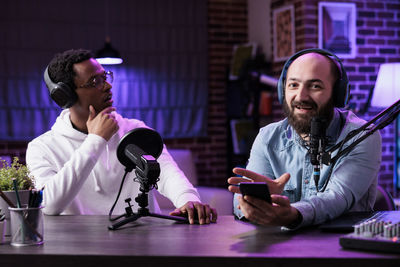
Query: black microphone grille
(318, 126)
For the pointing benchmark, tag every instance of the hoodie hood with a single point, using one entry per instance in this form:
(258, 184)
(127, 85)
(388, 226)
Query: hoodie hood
(63, 126)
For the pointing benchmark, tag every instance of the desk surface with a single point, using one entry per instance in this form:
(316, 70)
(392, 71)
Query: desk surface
(85, 240)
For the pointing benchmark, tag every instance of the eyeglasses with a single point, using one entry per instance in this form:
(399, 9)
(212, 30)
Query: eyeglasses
(98, 81)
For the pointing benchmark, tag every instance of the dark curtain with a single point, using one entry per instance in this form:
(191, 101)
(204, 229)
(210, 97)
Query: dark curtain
(163, 80)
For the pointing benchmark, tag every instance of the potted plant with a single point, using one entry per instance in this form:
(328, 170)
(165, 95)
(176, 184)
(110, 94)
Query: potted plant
(24, 180)
(16, 170)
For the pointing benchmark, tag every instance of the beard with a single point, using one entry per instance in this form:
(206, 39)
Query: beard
(302, 122)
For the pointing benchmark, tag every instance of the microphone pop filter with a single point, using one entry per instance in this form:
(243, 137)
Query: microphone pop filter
(146, 139)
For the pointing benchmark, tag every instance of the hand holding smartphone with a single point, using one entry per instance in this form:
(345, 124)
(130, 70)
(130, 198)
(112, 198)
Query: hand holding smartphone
(255, 189)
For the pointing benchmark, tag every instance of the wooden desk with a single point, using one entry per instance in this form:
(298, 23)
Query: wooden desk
(86, 241)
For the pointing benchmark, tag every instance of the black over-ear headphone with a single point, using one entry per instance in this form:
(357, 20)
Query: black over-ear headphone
(341, 89)
(60, 92)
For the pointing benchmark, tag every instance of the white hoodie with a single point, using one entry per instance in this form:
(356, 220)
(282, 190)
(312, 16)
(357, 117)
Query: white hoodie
(81, 174)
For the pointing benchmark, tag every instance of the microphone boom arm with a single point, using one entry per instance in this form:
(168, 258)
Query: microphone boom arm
(384, 118)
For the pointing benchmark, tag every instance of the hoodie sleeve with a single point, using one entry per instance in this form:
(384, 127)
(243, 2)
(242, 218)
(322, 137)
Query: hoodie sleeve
(173, 183)
(62, 182)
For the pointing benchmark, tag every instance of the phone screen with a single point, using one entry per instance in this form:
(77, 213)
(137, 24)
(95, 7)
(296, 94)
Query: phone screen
(255, 189)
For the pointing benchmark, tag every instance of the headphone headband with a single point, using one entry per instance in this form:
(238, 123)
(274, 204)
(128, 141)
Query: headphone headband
(341, 88)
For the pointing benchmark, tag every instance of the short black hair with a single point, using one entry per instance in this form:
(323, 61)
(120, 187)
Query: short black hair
(61, 66)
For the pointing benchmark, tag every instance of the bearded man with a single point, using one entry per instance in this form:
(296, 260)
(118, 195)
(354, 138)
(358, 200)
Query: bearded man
(313, 83)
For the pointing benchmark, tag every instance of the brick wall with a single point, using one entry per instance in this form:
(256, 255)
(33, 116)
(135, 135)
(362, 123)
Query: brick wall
(378, 32)
(227, 26)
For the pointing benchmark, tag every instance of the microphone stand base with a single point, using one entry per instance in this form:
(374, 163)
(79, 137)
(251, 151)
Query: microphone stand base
(145, 213)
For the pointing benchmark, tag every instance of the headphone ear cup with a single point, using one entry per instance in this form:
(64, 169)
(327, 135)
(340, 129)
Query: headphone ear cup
(281, 86)
(63, 96)
(341, 92)
(60, 92)
(282, 79)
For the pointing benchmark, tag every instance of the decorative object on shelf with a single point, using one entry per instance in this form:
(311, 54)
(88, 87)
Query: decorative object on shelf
(241, 54)
(265, 107)
(243, 134)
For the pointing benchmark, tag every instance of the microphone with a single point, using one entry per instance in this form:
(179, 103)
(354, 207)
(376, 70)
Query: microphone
(317, 145)
(139, 149)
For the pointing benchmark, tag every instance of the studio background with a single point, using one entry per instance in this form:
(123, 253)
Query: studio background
(200, 34)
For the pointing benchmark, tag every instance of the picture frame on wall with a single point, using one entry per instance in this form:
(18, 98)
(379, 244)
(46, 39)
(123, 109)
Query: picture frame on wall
(283, 33)
(337, 28)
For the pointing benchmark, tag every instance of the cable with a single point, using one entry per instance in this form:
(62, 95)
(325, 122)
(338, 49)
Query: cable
(116, 200)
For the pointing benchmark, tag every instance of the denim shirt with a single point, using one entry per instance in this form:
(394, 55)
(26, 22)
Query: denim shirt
(278, 149)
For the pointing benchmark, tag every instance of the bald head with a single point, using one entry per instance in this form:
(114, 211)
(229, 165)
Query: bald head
(308, 89)
(319, 65)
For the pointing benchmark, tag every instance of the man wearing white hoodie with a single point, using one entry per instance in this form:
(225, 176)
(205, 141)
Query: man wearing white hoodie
(76, 160)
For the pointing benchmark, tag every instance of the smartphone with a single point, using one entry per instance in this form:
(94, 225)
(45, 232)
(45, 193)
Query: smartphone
(255, 189)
